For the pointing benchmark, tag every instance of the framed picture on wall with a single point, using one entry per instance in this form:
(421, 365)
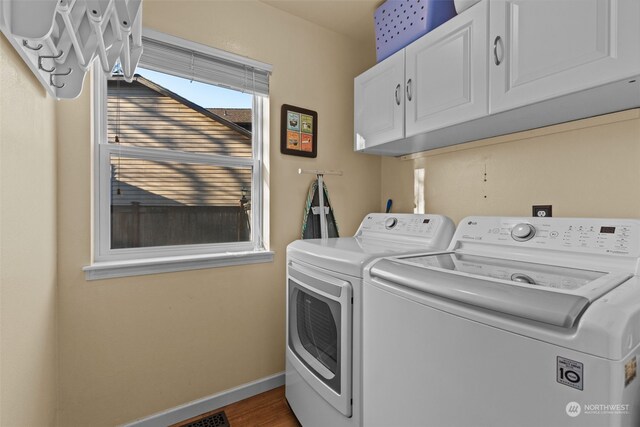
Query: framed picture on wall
(299, 131)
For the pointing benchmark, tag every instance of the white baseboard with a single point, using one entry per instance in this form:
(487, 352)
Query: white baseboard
(207, 404)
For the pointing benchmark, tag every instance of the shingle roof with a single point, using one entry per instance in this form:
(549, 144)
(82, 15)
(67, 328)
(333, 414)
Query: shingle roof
(235, 115)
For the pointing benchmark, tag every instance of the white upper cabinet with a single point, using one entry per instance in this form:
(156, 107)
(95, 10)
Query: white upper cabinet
(544, 49)
(499, 67)
(437, 81)
(446, 73)
(379, 103)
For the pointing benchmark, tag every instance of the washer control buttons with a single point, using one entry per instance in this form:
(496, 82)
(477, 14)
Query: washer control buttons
(523, 232)
(389, 223)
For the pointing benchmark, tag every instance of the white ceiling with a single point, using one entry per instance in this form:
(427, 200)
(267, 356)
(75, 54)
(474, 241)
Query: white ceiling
(352, 18)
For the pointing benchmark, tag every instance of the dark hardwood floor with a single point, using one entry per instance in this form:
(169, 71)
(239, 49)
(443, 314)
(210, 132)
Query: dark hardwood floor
(266, 409)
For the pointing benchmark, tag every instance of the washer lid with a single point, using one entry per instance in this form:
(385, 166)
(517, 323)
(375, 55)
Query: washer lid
(544, 293)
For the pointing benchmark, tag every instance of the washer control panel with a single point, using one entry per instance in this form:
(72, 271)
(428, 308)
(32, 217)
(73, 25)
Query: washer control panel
(606, 236)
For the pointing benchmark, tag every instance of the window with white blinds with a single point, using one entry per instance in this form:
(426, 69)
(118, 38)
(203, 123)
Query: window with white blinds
(179, 156)
(194, 61)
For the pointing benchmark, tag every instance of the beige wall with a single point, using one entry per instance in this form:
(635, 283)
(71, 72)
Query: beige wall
(588, 168)
(131, 347)
(28, 352)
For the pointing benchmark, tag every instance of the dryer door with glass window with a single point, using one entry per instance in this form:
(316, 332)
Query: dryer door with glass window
(319, 333)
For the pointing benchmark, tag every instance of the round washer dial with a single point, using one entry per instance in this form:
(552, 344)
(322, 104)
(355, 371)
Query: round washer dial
(523, 232)
(389, 223)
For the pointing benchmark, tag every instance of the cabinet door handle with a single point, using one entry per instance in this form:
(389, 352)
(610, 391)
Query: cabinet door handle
(398, 92)
(498, 40)
(409, 89)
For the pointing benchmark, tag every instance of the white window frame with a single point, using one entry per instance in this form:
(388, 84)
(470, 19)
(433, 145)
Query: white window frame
(109, 262)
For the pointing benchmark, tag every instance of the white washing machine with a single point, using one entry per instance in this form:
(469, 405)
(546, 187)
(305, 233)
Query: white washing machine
(324, 293)
(522, 322)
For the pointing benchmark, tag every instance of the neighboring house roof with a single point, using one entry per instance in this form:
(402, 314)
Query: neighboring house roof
(144, 114)
(240, 116)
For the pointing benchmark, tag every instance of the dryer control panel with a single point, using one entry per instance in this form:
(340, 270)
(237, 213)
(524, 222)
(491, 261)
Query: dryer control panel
(600, 236)
(398, 224)
(409, 225)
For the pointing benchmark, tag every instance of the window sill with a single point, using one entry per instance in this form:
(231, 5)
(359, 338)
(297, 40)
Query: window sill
(138, 267)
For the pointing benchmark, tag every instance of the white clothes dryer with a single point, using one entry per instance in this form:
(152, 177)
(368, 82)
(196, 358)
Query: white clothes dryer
(324, 293)
(525, 322)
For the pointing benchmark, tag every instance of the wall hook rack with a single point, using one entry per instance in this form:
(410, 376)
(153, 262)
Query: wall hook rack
(52, 75)
(71, 34)
(25, 43)
(48, 70)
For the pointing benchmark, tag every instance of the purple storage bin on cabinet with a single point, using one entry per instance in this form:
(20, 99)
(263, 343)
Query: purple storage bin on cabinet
(399, 22)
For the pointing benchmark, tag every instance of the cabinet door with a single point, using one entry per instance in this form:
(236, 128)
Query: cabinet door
(446, 73)
(379, 103)
(543, 49)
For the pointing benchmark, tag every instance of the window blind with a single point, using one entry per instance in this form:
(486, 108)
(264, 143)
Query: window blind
(225, 70)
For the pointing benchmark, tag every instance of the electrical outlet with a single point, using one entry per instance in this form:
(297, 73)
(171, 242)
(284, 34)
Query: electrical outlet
(541, 211)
